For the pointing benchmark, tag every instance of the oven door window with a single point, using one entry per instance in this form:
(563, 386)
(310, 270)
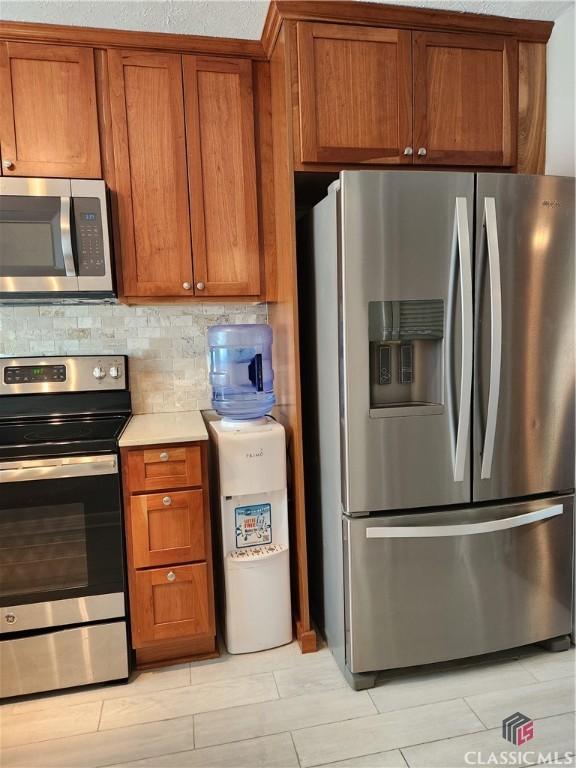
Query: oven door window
(60, 538)
(31, 237)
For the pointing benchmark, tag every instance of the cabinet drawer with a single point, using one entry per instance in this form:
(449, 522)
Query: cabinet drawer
(167, 528)
(171, 603)
(164, 467)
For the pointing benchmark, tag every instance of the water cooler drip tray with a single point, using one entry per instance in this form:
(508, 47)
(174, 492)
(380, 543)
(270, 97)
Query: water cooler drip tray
(256, 553)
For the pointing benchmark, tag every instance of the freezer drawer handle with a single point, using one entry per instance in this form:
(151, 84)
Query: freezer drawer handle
(441, 531)
(461, 252)
(491, 230)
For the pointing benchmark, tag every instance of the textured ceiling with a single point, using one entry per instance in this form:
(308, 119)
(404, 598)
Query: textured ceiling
(225, 18)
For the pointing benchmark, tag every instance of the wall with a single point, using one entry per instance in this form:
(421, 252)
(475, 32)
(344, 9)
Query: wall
(560, 97)
(166, 345)
(221, 18)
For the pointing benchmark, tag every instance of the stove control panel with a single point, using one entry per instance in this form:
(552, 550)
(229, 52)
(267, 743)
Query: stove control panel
(31, 375)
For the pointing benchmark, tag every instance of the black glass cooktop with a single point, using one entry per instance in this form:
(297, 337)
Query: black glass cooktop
(40, 425)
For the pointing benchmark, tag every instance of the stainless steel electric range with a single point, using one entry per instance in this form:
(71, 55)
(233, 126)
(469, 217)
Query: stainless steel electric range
(62, 585)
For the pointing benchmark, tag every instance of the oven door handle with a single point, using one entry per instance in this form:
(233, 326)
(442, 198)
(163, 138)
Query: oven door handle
(50, 470)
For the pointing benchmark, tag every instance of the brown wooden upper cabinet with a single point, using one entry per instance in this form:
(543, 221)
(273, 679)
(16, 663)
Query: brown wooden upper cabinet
(465, 99)
(183, 131)
(222, 175)
(388, 96)
(355, 89)
(48, 117)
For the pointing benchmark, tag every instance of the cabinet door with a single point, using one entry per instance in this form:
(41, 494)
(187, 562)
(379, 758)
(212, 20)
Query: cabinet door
(355, 89)
(167, 528)
(167, 467)
(48, 118)
(222, 176)
(465, 103)
(170, 603)
(150, 159)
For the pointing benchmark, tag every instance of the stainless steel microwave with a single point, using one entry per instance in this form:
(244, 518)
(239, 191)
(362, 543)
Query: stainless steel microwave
(54, 241)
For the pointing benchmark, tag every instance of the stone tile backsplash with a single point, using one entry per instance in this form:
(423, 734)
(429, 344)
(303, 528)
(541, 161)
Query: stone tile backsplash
(166, 344)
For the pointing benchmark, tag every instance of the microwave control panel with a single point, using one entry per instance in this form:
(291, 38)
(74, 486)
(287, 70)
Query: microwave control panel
(89, 238)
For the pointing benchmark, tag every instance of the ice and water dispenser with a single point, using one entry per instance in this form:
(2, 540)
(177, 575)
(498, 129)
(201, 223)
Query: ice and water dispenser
(406, 356)
(250, 456)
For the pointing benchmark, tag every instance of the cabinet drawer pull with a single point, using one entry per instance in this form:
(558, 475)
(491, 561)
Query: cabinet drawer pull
(408, 151)
(164, 456)
(8, 164)
(422, 152)
(167, 500)
(171, 576)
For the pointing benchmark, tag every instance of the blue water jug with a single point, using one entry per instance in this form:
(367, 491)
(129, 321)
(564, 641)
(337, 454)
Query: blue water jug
(241, 371)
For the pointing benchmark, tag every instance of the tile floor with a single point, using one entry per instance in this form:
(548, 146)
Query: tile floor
(279, 709)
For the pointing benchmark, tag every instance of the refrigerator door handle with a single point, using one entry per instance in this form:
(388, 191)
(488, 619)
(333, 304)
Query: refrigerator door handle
(466, 529)
(495, 335)
(461, 252)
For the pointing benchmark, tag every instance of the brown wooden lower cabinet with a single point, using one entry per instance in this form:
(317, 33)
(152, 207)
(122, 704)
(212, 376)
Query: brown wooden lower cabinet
(165, 467)
(170, 603)
(169, 553)
(167, 527)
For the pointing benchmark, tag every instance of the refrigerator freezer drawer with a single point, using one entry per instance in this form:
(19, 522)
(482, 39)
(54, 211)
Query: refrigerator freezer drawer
(433, 586)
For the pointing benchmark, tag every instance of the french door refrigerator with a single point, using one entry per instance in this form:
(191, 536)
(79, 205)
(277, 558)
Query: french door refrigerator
(437, 316)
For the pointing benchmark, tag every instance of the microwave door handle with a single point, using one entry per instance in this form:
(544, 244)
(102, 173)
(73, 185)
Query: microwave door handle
(66, 237)
(495, 335)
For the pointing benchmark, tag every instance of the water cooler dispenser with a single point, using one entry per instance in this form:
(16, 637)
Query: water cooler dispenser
(250, 453)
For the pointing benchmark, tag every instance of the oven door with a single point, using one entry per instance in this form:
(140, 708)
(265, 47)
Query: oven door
(61, 543)
(36, 252)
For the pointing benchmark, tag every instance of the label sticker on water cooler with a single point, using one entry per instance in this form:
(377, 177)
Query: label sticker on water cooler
(253, 525)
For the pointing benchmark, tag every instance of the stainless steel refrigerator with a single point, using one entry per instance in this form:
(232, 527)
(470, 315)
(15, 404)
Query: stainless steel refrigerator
(437, 326)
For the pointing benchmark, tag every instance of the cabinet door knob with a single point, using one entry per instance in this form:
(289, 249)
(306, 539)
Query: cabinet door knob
(167, 500)
(164, 456)
(422, 152)
(171, 576)
(8, 164)
(408, 151)
(186, 286)
(200, 286)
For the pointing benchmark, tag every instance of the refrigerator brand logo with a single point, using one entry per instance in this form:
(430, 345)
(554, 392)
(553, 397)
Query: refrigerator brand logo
(551, 203)
(255, 454)
(518, 729)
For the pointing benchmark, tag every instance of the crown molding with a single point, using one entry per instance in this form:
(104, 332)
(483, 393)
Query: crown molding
(397, 16)
(29, 32)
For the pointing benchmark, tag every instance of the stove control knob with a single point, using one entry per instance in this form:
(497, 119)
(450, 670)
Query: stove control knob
(114, 372)
(98, 372)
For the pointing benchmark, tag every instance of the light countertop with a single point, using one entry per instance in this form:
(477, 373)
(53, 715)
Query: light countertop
(159, 428)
